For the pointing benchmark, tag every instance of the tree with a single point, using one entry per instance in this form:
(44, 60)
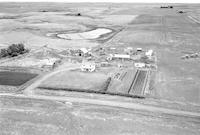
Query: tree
(4, 53)
(14, 50)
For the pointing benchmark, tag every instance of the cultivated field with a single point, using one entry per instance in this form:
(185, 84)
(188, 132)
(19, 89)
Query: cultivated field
(77, 81)
(15, 78)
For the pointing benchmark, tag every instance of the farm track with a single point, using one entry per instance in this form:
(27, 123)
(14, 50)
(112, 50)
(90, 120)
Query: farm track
(30, 89)
(193, 19)
(118, 104)
(139, 83)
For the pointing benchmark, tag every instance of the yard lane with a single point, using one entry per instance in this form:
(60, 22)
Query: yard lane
(30, 89)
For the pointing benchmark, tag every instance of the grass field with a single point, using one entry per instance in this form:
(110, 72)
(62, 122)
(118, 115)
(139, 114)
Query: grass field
(75, 80)
(15, 78)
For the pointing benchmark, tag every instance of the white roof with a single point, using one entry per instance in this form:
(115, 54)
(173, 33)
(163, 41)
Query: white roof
(122, 56)
(139, 64)
(139, 48)
(84, 50)
(129, 48)
(88, 65)
(149, 52)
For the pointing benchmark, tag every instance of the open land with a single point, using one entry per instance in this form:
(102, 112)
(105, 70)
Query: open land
(100, 69)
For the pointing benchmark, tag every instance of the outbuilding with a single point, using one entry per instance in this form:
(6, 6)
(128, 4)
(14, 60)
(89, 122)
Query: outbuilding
(139, 65)
(139, 49)
(119, 56)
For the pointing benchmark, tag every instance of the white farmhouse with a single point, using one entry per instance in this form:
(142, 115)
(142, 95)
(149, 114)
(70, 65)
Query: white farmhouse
(88, 66)
(84, 50)
(149, 53)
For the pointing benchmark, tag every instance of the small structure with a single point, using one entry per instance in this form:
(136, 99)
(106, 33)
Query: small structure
(166, 6)
(128, 50)
(139, 49)
(118, 56)
(112, 48)
(88, 67)
(119, 65)
(181, 12)
(139, 65)
(78, 14)
(104, 64)
(149, 53)
(84, 50)
(163, 7)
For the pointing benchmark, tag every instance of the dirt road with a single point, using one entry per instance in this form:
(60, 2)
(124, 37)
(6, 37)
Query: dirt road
(118, 104)
(29, 89)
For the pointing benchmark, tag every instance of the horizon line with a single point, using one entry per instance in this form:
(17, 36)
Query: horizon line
(106, 1)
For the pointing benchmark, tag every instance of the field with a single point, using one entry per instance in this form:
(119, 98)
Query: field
(139, 83)
(15, 78)
(32, 27)
(75, 80)
(64, 100)
(34, 116)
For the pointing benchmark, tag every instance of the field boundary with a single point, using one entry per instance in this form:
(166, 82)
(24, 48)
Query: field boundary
(93, 91)
(125, 105)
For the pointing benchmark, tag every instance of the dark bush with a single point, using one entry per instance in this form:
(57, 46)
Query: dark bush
(4, 53)
(79, 14)
(13, 50)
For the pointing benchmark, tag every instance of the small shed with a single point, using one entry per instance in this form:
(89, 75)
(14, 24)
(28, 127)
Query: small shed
(139, 49)
(118, 56)
(128, 50)
(139, 65)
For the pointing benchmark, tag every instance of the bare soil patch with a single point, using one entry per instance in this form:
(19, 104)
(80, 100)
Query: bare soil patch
(15, 78)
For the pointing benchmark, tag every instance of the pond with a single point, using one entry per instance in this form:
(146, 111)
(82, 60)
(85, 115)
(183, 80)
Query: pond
(93, 34)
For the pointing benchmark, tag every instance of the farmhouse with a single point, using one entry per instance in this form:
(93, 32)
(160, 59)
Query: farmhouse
(84, 50)
(149, 53)
(88, 66)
